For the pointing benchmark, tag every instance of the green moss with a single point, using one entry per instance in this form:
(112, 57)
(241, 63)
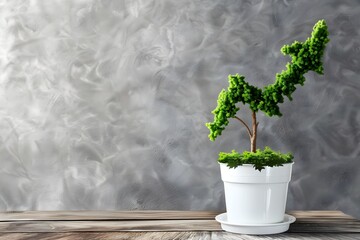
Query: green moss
(260, 159)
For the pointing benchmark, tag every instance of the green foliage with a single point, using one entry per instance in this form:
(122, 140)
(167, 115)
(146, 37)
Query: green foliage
(305, 57)
(260, 159)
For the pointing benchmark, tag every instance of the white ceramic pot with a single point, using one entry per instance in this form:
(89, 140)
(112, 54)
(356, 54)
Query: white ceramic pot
(254, 197)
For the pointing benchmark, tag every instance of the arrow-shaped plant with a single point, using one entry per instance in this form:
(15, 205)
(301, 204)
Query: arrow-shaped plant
(305, 56)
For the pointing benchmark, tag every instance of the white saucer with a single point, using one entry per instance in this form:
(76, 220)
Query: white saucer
(255, 229)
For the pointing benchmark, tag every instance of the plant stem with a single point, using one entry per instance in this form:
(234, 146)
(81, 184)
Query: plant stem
(247, 127)
(254, 132)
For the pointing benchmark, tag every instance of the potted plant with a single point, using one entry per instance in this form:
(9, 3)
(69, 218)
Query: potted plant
(256, 181)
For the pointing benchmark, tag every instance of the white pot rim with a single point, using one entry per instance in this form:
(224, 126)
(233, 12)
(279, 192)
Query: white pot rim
(248, 174)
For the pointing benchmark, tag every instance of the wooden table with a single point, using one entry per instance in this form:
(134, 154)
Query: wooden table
(163, 225)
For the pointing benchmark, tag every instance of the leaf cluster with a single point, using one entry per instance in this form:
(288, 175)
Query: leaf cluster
(305, 56)
(260, 159)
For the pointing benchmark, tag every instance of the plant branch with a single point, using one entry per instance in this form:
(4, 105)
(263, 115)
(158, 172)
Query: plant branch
(254, 132)
(247, 127)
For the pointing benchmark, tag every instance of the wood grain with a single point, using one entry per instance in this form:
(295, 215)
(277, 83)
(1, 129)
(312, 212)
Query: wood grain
(158, 221)
(320, 214)
(147, 215)
(172, 236)
(324, 221)
(108, 226)
(104, 215)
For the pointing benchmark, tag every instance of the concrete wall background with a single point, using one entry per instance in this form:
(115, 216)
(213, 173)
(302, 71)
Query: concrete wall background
(103, 103)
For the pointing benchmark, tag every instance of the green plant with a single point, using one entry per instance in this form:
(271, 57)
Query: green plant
(260, 159)
(305, 56)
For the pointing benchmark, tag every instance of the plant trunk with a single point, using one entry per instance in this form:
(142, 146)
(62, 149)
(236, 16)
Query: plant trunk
(254, 133)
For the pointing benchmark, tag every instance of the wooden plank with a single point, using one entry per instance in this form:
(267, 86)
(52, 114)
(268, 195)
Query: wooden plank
(104, 215)
(159, 225)
(108, 236)
(320, 214)
(314, 221)
(147, 215)
(171, 236)
(110, 226)
(324, 221)
(324, 227)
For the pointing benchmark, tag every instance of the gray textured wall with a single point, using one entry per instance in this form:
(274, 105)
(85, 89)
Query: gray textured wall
(103, 103)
